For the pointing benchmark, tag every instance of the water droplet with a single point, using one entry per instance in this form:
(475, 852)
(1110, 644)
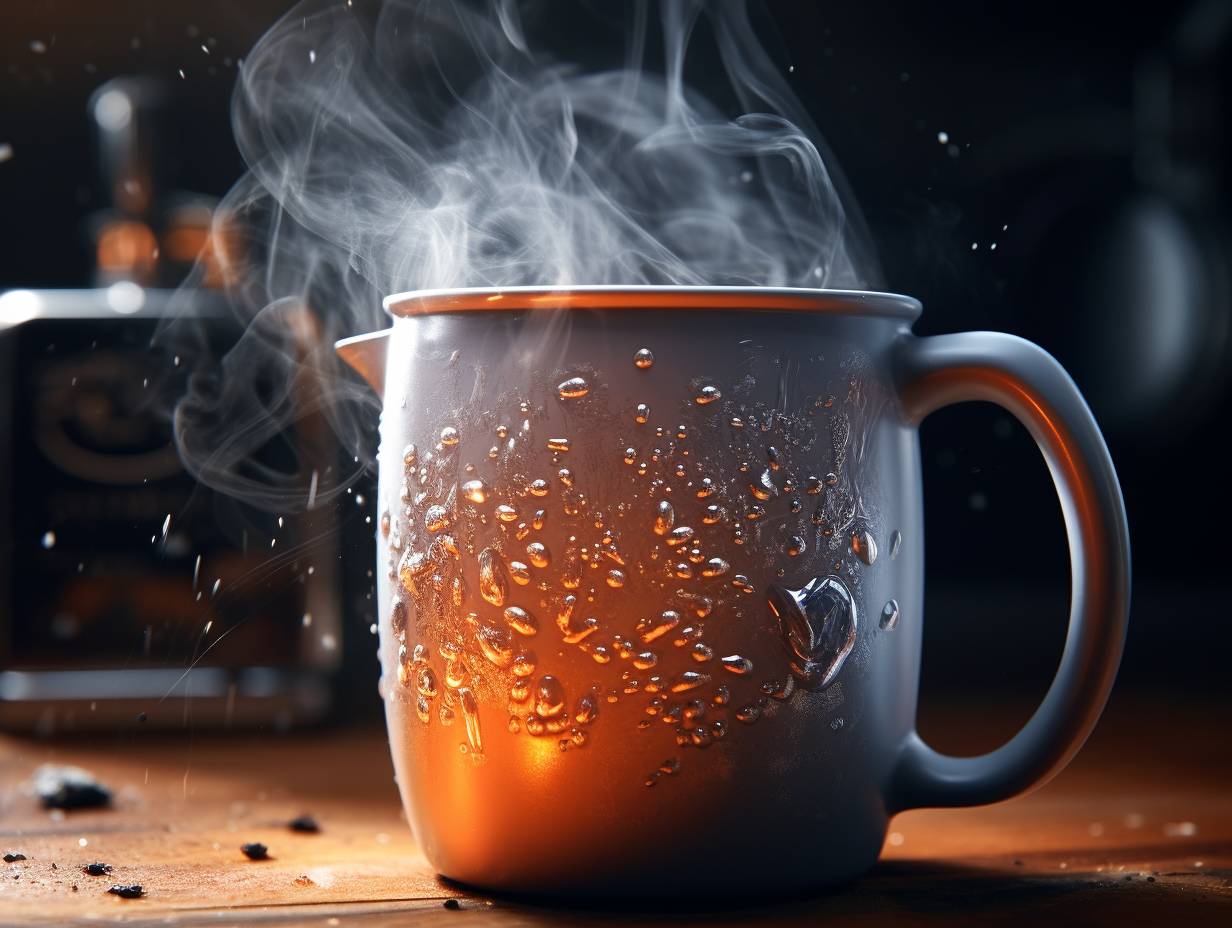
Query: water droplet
(642, 414)
(436, 518)
(476, 491)
(615, 579)
(446, 715)
(600, 654)
(715, 567)
(492, 586)
(813, 486)
(736, 664)
(818, 623)
(889, 615)
(630, 455)
(573, 388)
(643, 358)
(741, 582)
(558, 444)
(707, 395)
(385, 523)
(652, 627)
(665, 518)
(409, 455)
(48, 540)
(864, 546)
(496, 645)
(449, 436)
(896, 542)
(702, 653)
(521, 621)
(780, 689)
(763, 487)
(645, 660)
(831, 480)
(506, 513)
(549, 697)
(748, 714)
(412, 569)
(423, 709)
(539, 487)
(539, 554)
(470, 713)
(679, 536)
(795, 546)
(425, 682)
(688, 680)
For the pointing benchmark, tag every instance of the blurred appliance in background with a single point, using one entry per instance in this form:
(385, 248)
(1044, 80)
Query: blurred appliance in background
(1116, 219)
(118, 571)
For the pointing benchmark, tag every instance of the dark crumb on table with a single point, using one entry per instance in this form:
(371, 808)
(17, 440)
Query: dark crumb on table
(255, 850)
(304, 824)
(1129, 878)
(1150, 879)
(53, 866)
(1017, 863)
(13, 856)
(74, 887)
(96, 869)
(127, 890)
(452, 904)
(61, 787)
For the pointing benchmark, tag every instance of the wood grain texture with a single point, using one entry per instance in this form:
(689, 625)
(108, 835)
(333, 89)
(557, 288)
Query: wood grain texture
(1137, 831)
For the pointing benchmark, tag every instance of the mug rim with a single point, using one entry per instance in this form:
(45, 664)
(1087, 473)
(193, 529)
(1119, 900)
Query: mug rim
(642, 296)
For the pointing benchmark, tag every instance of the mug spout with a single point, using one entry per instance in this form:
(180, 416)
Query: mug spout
(366, 353)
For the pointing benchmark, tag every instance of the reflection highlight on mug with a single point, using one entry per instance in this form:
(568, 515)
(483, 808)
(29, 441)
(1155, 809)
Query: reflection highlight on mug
(506, 543)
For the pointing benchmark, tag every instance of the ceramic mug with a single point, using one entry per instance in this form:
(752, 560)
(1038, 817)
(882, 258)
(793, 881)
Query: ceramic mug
(651, 577)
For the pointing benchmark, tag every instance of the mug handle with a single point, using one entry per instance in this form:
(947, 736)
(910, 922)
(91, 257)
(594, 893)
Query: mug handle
(1026, 381)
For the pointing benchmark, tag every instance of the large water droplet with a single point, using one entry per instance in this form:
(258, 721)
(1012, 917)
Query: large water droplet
(818, 623)
(412, 569)
(642, 414)
(519, 572)
(560, 445)
(864, 546)
(615, 579)
(889, 615)
(425, 682)
(521, 621)
(715, 567)
(436, 518)
(679, 535)
(736, 664)
(538, 554)
(688, 680)
(763, 487)
(506, 513)
(496, 645)
(573, 388)
(549, 697)
(707, 395)
(643, 358)
(538, 487)
(492, 585)
(741, 582)
(476, 491)
(652, 627)
(449, 436)
(665, 517)
(896, 542)
(795, 545)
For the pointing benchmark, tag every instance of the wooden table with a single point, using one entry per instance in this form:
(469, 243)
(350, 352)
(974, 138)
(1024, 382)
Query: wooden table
(1137, 831)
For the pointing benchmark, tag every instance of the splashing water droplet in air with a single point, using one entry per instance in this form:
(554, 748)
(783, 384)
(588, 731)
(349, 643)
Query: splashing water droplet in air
(643, 358)
(818, 624)
(573, 388)
(889, 615)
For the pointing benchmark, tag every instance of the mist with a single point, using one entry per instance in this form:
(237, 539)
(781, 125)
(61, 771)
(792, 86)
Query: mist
(415, 145)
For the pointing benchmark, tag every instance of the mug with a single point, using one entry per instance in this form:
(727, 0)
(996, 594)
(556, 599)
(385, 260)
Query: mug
(651, 580)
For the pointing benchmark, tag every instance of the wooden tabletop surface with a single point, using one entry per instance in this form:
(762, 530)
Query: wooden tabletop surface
(1136, 831)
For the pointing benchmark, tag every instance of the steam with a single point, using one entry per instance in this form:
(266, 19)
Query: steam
(433, 144)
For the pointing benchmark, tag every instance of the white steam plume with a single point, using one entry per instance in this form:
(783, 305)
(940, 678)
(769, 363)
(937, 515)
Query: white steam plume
(433, 144)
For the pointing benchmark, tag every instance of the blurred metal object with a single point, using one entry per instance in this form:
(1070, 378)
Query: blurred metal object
(127, 589)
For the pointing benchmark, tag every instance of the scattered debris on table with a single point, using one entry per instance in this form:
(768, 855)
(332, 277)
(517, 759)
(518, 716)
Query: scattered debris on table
(255, 850)
(452, 904)
(96, 869)
(13, 856)
(63, 787)
(127, 890)
(304, 824)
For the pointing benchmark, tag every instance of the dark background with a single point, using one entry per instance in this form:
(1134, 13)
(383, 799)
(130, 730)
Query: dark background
(1086, 142)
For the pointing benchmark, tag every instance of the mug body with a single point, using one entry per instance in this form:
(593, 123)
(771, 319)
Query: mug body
(650, 573)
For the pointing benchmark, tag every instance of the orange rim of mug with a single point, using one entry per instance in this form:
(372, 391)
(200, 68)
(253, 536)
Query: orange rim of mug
(773, 299)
